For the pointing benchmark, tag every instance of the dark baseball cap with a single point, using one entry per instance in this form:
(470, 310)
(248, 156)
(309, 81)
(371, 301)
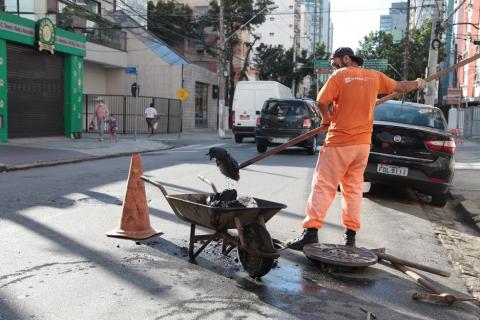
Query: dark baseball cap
(346, 51)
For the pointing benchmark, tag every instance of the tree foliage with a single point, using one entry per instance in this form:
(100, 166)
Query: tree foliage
(172, 22)
(236, 14)
(380, 45)
(276, 63)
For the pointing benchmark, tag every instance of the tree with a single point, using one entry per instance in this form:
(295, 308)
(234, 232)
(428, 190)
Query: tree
(171, 22)
(246, 13)
(379, 45)
(276, 63)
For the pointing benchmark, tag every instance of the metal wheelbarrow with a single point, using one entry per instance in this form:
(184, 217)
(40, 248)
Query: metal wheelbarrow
(253, 242)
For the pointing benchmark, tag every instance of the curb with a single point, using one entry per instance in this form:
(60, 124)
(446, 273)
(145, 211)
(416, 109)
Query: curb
(5, 168)
(468, 207)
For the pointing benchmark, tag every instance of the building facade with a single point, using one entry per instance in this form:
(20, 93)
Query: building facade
(396, 21)
(468, 77)
(41, 78)
(114, 38)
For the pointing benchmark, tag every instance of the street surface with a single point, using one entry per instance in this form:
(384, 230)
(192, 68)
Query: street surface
(57, 262)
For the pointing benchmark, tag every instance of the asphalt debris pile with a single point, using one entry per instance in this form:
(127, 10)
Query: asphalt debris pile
(225, 162)
(229, 199)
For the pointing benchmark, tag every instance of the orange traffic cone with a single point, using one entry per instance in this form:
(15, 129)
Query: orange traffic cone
(135, 221)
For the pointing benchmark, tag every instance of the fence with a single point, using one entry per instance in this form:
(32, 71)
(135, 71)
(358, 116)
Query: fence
(123, 107)
(468, 121)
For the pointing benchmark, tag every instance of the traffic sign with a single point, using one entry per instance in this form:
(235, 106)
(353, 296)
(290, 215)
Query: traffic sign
(454, 95)
(322, 64)
(323, 70)
(376, 64)
(131, 70)
(182, 94)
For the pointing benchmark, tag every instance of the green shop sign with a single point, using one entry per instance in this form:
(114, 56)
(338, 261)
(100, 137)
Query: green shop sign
(45, 35)
(42, 34)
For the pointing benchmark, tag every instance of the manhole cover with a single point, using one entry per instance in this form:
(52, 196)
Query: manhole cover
(340, 255)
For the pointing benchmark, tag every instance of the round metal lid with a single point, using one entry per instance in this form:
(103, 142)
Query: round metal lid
(340, 255)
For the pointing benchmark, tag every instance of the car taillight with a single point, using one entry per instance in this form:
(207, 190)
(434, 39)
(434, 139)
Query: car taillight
(258, 123)
(233, 119)
(438, 180)
(443, 146)
(307, 123)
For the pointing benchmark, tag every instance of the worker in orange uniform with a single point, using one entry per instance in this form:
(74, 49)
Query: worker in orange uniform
(342, 160)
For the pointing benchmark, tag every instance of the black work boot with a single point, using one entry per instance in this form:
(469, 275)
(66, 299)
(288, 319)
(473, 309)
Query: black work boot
(349, 238)
(308, 236)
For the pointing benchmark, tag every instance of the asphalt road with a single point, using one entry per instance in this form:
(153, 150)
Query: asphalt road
(57, 263)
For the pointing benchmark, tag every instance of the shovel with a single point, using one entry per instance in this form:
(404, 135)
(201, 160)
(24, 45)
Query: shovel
(230, 168)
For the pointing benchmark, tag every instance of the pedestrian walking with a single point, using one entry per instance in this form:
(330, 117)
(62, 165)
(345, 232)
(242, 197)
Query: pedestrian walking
(343, 158)
(101, 113)
(151, 118)
(112, 128)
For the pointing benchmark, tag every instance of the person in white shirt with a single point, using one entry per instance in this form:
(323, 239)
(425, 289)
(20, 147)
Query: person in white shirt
(151, 117)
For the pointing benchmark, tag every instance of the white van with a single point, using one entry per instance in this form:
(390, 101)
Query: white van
(248, 99)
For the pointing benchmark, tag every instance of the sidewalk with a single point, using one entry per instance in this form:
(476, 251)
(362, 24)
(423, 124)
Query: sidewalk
(466, 181)
(27, 153)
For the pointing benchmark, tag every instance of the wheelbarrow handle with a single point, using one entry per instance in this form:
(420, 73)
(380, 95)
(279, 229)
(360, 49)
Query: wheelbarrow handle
(155, 183)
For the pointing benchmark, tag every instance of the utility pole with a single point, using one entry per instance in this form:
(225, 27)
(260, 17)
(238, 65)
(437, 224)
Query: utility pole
(315, 43)
(433, 52)
(221, 76)
(295, 37)
(407, 43)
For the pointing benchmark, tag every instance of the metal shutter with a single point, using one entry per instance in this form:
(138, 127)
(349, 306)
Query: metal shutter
(35, 92)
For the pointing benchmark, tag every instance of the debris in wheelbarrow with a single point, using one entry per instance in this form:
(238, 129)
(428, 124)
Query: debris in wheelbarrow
(228, 199)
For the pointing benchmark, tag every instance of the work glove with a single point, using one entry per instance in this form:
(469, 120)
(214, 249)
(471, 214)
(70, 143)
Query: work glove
(421, 83)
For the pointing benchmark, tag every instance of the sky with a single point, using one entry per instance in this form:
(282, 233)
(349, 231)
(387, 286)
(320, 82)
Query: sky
(354, 19)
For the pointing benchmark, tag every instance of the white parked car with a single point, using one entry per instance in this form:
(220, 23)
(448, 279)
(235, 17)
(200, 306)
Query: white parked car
(248, 100)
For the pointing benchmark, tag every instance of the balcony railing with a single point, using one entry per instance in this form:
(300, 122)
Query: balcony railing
(96, 29)
(111, 37)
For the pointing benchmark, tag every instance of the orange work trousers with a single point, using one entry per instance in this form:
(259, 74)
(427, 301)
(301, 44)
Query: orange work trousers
(338, 165)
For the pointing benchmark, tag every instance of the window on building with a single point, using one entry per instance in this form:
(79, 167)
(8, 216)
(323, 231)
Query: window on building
(22, 8)
(290, 25)
(272, 34)
(89, 5)
(272, 18)
(291, 7)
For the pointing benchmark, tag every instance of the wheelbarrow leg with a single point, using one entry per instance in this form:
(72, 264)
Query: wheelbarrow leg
(192, 242)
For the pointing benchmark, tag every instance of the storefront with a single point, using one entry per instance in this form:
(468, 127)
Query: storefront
(41, 79)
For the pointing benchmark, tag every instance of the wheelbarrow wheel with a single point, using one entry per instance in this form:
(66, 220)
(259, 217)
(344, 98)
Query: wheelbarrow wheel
(257, 238)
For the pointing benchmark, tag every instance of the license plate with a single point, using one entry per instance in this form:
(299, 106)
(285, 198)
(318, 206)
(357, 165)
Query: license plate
(392, 170)
(244, 117)
(279, 140)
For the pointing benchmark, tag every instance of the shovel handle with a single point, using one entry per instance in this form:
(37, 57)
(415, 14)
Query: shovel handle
(412, 264)
(433, 77)
(415, 276)
(284, 146)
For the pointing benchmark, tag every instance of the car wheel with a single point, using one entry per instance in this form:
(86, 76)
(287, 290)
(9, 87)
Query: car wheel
(261, 146)
(313, 148)
(439, 200)
(238, 138)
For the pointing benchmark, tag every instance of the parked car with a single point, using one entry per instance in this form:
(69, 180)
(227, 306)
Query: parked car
(412, 147)
(248, 99)
(281, 120)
